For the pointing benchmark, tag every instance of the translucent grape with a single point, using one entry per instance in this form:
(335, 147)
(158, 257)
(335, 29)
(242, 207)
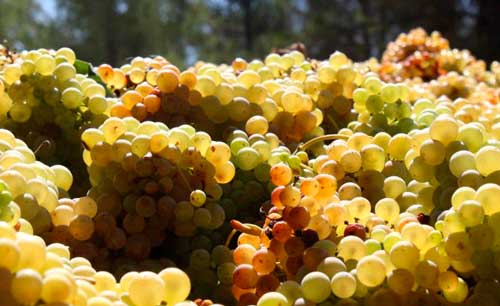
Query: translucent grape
(315, 287)
(343, 285)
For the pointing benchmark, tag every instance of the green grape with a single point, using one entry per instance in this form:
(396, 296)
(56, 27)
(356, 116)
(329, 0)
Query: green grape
(147, 289)
(72, 98)
(373, 84)
(373, 157)
(198, 198)
(331, 266)
(481, 236)
(471, 213)
(394, 186)
(257, 125)
(400, 281)
(263, 148)
(56, 288)
(351, 247)
(458, 246)
(462, 161)
(371, 270)
(404, 255)
(237, 144)
(63, 177)
(426, 274)
(248, 158)
(487, 195)
(20, 112)
(343, 285)
(315, 287)
(11, 254)
(422, 104)
(387, 209)
(486, 159)
(420, 170)
(64, 72)
(444, 129)
(432, 152)
(360, 95)
(291, 290)
(459, 294)
(390, 93)
(272, 299)
(26, 287)
(45, 65)
(374, 104)
(372, 246)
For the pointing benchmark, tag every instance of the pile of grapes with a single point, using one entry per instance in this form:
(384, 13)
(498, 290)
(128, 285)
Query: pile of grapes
(286, 181)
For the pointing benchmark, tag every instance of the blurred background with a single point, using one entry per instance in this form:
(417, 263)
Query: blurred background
(218, 30)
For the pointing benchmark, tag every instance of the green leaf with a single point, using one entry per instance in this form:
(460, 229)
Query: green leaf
(82, 67)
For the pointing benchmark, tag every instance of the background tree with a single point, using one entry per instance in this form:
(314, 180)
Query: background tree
(219, 30)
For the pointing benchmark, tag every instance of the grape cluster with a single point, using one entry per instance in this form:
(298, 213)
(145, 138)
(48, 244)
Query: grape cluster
(282, 182)
(48, 104)
(29, 189)
(414, 54)
(290, 94)
(32, 272)
(151, 187)
(395, 213)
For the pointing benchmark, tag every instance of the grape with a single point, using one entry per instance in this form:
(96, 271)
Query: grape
(405, 255)
(85, 206)
(256, 125)
(11, 253)
(315, 287)
(459, 294)
(26, 287)
(351, 247)
(56, 288)
(371, 270)
(394, 186)
(248, 158)
(487, 195)
(400, 281)
(448, 281)
(426, 274)
(291, 290)
(485, 160)
(343, 285)
(245, 276)
(147, 289)
(458, 246)
(280, 174)
(462, 161)
(167, 80)
(387, 209)
(272, 299)
(471, 213)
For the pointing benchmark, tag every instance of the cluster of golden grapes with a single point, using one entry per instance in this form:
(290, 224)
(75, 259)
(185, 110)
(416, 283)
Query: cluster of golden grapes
(286, 181)
(292, 94)
(415, 54)
(48, 102)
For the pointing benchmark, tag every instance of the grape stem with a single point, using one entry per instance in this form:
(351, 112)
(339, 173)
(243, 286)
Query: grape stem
(84, 278)
(304, 166)
(184, 178)
(310, 142)
(41, 145)
(332, 122)
(230, 237)
(247, 228)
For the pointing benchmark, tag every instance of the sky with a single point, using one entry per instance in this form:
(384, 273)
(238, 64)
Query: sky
(49, 7)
